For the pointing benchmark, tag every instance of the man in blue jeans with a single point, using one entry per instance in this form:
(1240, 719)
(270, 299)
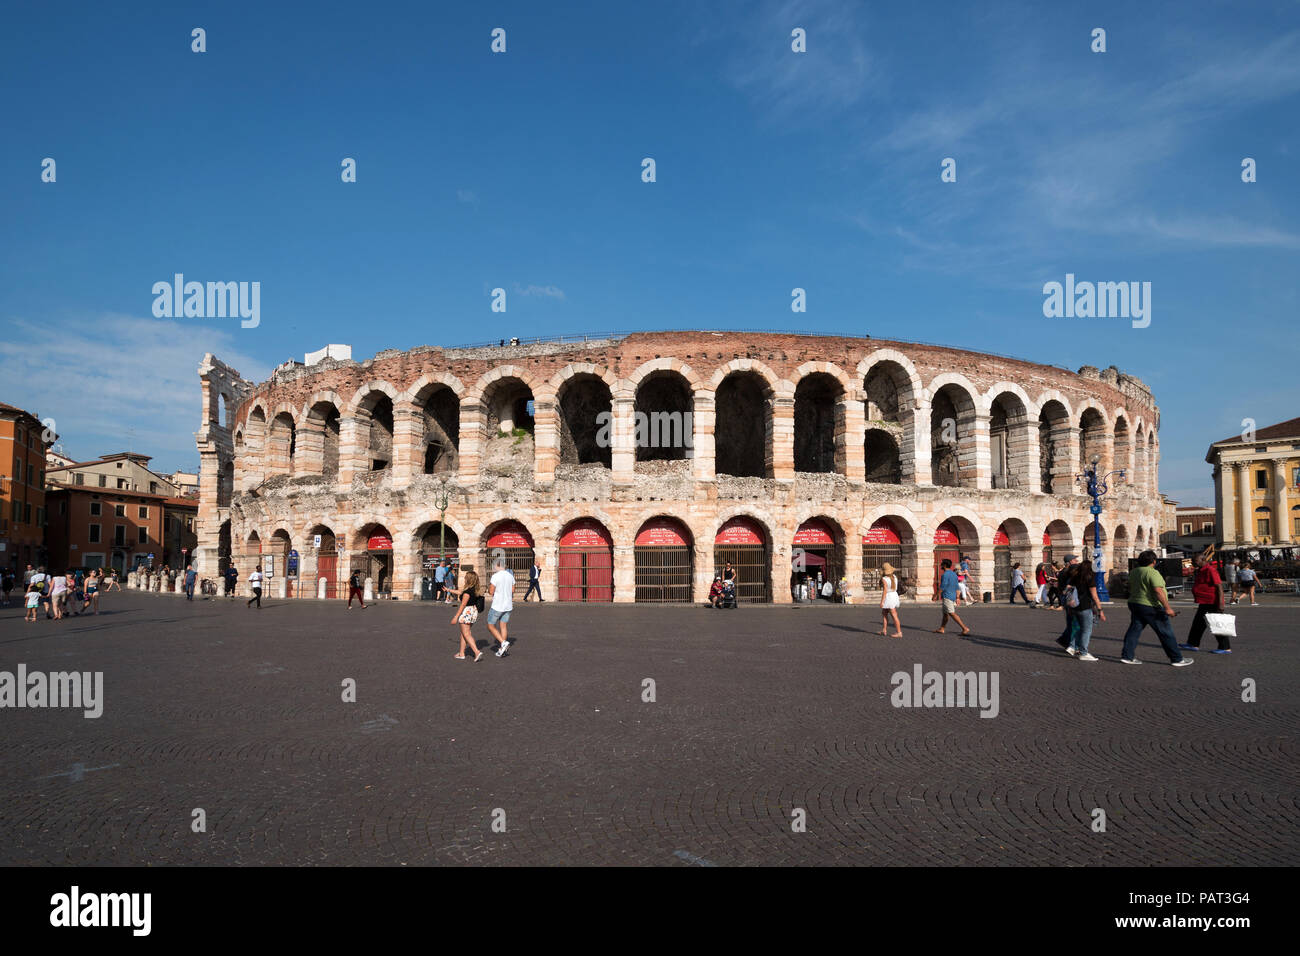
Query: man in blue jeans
(1148, 603)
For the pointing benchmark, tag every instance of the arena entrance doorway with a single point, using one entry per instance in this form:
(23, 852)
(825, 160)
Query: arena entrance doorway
(586, 571)
(664, 562)
(743, 541)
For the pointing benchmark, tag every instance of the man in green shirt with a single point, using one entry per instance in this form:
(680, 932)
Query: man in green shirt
(1148, 606)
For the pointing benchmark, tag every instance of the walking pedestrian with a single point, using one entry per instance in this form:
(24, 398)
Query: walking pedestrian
(191, 576)
(1232, 578)
(1069, 602)
(1018, 584)
(1053, 585)
(6, 584)
(1040, 578)
(1148, 604)
(113, 583)
(948, 594)
(1249, 578)
(466, 614)
(42, 582)
(354, 589)
(1082, 589)
(963, 573)
(889, 599)
(33, 602)
(58, 594)
(501, 588)
(1207, 592)
(453, 575)
(92, 590)
(232, 580)
(255, 586)
(27, 576)
(440, 580)
(534, 581)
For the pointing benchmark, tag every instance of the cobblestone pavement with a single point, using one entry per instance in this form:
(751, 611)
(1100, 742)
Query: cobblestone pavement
(759, 712)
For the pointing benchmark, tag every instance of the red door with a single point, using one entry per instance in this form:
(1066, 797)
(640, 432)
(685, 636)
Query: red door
(586, 571)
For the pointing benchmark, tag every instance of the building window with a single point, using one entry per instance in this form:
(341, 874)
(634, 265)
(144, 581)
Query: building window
(121, 483)
(119, 535)
(40, 517)
(119, 511)
(31, 474)
(1262, 522)
(78, 479)
(144, 535)
(63, 507)
(1187, 527)
(144, 511)
(153, 487)
(1207, 528)
(1261, 480)
(94, 534)
(27, 513)
(119, 464)
(103, 481)
(95, 508)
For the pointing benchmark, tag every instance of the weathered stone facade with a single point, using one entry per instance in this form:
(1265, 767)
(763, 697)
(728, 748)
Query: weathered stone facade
(781, 428)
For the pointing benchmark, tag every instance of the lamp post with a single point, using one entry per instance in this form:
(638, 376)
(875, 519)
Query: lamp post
(442, 498)
(1098, 486)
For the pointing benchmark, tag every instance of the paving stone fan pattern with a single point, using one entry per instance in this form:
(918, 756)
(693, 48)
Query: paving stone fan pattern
(758, 712)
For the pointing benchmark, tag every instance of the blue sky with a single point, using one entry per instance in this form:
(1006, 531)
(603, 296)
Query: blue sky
(523, 170)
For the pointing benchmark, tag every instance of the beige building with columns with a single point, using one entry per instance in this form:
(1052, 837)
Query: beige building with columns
(633, 466)
(1257, 486)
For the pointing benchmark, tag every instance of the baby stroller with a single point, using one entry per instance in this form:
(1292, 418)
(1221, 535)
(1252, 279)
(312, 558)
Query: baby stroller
(728, 598)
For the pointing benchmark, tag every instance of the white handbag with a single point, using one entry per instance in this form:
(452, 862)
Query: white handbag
(1222, 625)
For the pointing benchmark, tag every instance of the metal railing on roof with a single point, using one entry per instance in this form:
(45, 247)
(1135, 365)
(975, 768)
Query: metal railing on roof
(601, 336)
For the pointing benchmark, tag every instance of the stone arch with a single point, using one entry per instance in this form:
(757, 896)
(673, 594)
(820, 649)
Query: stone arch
(882, 458)
(579, 369)
(954, 410)
(665, 364)
(1012, 451)
(322, 433)
(585, 401)
(772, 381)
(365, 392)
(435, 399)
(743, 421)
(663, 406)
(282, 442)
(1122, 451)
(1055, 470)
(819, 400)
(1093, 434)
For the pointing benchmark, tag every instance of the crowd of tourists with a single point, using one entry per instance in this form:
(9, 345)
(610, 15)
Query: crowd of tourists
(59, 595)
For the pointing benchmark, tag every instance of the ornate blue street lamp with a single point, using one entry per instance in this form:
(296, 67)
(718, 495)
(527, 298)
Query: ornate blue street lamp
(1098, 486)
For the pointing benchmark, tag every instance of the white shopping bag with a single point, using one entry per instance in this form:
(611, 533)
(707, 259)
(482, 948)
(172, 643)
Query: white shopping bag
(1222, 625)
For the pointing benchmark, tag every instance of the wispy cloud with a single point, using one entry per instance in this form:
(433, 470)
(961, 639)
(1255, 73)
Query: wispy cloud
(467, 196)
(110, 380)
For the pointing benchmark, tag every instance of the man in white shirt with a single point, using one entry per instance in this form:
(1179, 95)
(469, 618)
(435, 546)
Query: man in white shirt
(502, 591)
(255, 585)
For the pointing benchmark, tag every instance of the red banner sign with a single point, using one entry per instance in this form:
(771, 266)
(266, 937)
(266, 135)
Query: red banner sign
(741, 530)
(510, 534)
(814, 531)
(1000, 538)
(882, 531)
(379, 542)
(1047, 540)
(946, 533)
(586, 533)
(661, 533)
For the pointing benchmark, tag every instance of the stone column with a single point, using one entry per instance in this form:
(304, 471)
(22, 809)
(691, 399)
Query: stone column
(783, 437)
(470, 444)
(622, 435)
(1225, 518)
(408, 444)
(703, 572)
(546, 440)
(850, 433)
(309, 449)
(1022, 456)
(853, 565)
(354, 448)
(548, 558)
(624, 574)
(980, 455)
(924, 580)
(915, 451)
(1065, 462)
(1281, 517)
(704, 416)
(1245, 513)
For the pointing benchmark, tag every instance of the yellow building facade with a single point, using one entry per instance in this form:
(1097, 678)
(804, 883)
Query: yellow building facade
(1257, 486)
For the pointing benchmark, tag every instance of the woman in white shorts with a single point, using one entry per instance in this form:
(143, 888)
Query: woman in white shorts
(889, 599)
(465, 616)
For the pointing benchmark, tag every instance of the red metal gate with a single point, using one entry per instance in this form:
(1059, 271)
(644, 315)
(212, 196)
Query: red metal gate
(586, 571)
